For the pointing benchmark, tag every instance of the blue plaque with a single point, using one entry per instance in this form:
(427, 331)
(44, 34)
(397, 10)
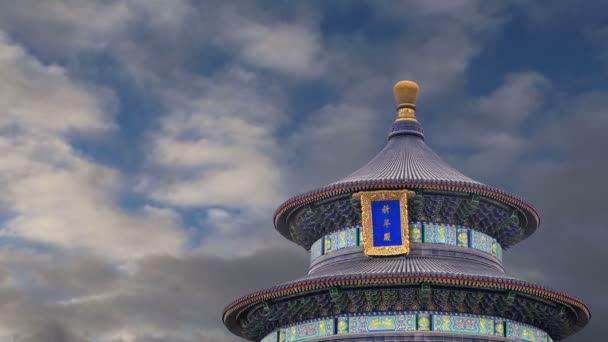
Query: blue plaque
(384, 222)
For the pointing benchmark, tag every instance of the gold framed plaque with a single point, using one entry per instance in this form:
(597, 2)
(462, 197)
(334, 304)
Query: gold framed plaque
(384, 221)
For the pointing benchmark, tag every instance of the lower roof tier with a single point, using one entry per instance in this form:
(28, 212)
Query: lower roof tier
(405, 283)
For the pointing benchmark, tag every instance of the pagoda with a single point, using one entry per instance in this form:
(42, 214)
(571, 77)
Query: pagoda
(406, 248)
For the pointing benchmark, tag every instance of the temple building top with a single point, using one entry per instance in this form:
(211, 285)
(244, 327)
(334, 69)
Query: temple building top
(406, 248)
(407, 162)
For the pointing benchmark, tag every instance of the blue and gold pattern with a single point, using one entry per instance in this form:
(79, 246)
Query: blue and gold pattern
(416, 232)
(316, 250)
(363, 324)
(423, 322)
(343, 239)
(521, 332)
(499, 327)
(409, 321)
(351, 237)
(342, 326)
(481, 241)
(310, 330)
(462, 237)
(435, 233)
(271, 338)
(496, 250)
(361, 241)
(463, 325)
(327, 245)
(384, 221)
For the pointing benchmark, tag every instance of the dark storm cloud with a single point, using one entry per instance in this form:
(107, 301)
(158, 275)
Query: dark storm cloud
(553, 156)
(568, 252)
(165, 298)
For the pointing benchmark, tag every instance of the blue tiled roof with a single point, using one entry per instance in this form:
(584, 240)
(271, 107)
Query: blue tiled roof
(407, 158)
(409, 265)
(406, 161)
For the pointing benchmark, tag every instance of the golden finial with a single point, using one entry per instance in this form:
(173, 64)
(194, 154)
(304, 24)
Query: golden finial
(406, 94)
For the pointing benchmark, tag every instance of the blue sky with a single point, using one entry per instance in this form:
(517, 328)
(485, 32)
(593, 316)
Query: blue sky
(147, 143)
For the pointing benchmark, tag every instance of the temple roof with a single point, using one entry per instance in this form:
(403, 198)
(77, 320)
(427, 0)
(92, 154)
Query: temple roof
(410, 265)
(537, 305)
(406, 158)
(407, 162)
(461, 280)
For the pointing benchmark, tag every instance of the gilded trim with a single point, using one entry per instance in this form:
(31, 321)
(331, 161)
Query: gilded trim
(366, 199)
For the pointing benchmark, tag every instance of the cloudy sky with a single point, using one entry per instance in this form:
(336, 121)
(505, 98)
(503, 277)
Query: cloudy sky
(145, 144)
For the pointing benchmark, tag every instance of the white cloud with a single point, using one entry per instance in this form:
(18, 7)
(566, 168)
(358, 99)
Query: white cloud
(39, 98)
(333, 143)
(52, 194)
(80, 25)
(496, 134)
(519, 96)
(218, 149)
(217, 153)
(293, 49)
(488, 128)
(69, 27)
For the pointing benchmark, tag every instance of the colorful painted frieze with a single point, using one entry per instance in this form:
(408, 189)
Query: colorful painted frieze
(363, 324)
(344, 239)
(416, 232)
(463, 325)
(342, 327)
(462, 237)
(291, 334)
(481, 241)
(271, 338)
(406, 322)
(338, 240)
(327, 245)
(499, 328)
(521, 332)
(360, 231)
(435, 233)
(316, 250)
(496, 249)
(423, 322)
(327, 327)
(341, 239)
(310, 330)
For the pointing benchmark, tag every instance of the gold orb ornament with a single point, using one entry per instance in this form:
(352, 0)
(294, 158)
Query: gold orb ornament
(406, 94)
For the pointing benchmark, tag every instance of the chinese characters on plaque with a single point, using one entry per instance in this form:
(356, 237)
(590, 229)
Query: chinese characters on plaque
(384, 222)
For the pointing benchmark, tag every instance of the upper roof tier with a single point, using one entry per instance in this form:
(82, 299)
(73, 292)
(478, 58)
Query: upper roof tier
(407, 162)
